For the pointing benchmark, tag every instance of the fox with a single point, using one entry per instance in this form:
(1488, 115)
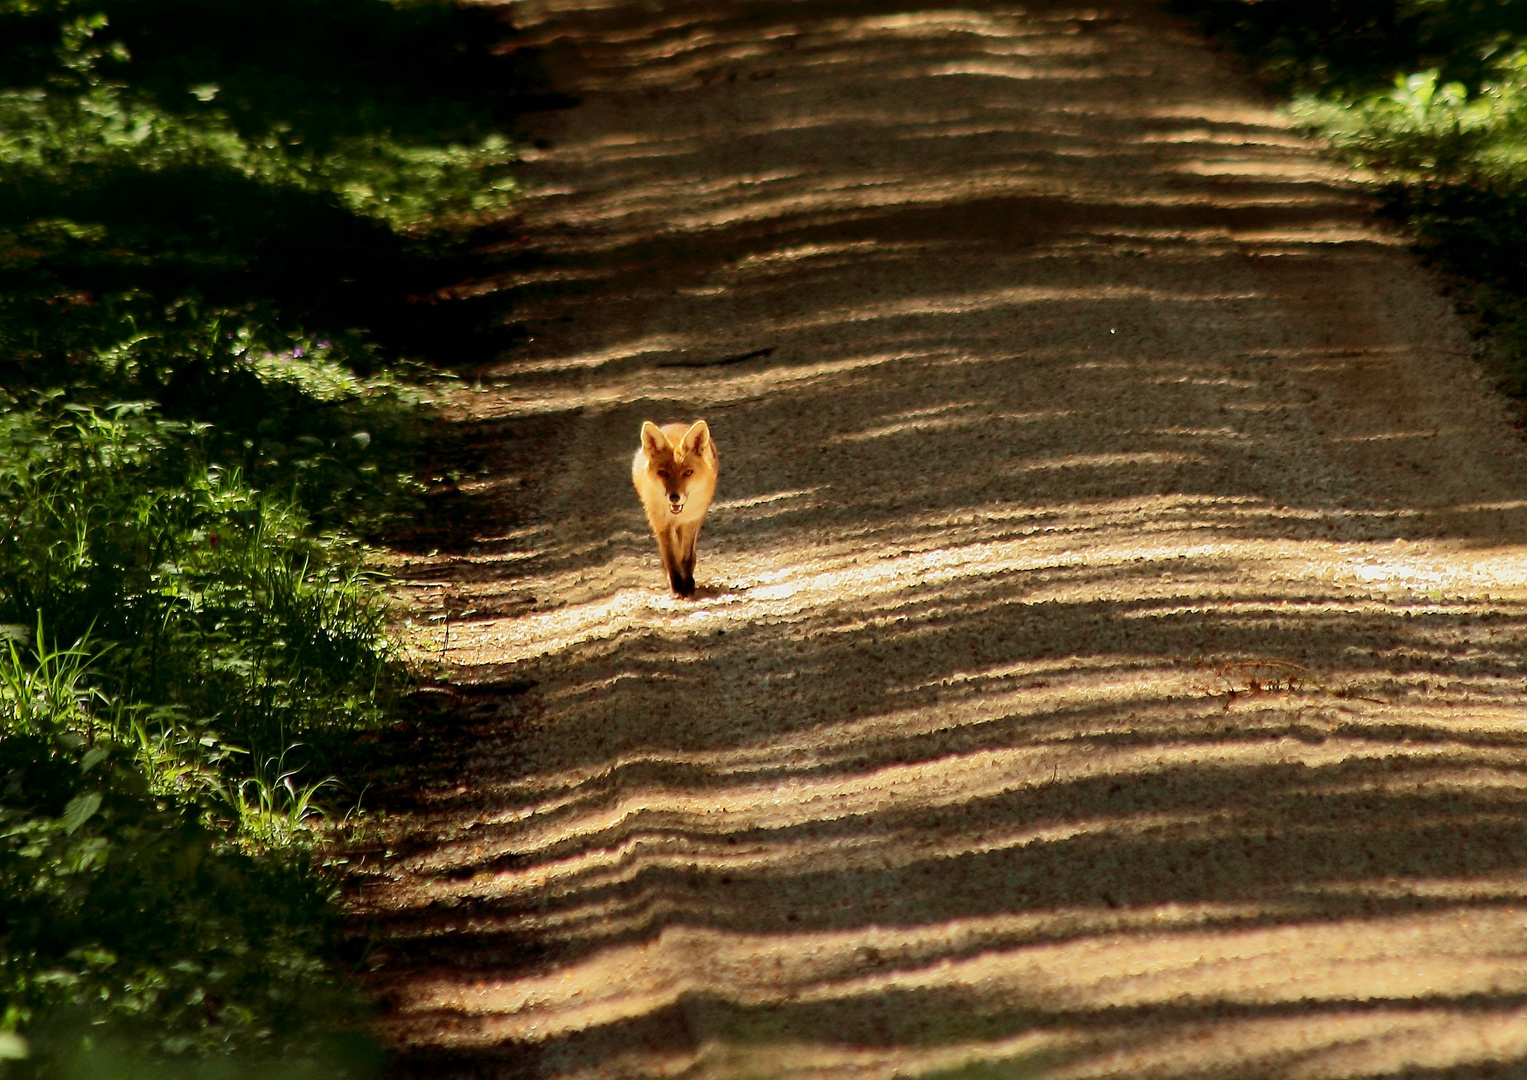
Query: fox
(675, 474)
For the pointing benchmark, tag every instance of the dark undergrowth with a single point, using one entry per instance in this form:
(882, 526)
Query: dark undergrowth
(1432, 96)
(221, 229)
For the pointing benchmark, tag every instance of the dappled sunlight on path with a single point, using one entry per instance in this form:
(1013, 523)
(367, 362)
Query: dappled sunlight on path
(1108, 657)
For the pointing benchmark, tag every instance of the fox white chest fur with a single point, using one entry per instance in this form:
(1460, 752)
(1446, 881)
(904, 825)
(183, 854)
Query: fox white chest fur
(675, 475)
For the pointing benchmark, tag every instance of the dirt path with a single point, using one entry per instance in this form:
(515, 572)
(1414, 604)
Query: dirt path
(1070, 406)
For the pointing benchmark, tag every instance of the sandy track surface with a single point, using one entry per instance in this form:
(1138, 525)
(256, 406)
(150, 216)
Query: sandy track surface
(1109, 655)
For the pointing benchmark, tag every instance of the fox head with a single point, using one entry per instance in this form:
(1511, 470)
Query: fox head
(683, 466)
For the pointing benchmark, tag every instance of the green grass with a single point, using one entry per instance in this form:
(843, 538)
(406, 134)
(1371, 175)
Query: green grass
(1432, 96)
(220, 600)
(157, 912)
(213, 387)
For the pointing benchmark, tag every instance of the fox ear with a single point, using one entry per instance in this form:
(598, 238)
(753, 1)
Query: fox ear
(653, 439)
(696, 439)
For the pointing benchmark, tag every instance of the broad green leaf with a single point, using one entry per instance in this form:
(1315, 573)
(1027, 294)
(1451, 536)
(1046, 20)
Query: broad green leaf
(79, 809)
(12, 1046)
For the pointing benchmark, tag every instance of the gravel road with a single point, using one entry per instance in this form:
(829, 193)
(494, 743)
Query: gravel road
(1108, 659)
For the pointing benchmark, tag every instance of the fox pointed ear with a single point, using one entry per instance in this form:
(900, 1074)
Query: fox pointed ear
(696, 439)
(653, 439)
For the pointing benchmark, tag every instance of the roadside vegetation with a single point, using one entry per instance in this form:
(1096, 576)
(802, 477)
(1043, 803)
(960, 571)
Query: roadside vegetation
(212, 388)
(1432, 96)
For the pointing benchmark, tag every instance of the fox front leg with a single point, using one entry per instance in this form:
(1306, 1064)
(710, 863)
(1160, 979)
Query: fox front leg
(670, 546)
(689, 535)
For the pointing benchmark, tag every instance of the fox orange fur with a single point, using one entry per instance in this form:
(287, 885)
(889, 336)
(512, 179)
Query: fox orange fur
(675, 474)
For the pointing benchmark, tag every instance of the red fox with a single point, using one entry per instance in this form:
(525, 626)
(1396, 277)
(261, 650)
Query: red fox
(675, 475)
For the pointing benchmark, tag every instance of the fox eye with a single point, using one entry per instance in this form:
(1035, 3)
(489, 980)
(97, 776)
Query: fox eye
(663, 473)
(689, 472)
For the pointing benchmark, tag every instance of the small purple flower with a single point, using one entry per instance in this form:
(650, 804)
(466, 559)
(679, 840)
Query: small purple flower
(297, 353)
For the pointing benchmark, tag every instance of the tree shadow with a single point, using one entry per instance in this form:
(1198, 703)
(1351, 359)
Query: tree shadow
(1062, 625)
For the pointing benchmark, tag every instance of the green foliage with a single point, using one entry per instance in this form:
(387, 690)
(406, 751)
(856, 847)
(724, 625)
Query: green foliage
(1423, 131)
(220, 602)
(212, 220)
(136, 920)
(155, 866)
(1432, 96)
(195, 196)
(385, 107)
(155, 852)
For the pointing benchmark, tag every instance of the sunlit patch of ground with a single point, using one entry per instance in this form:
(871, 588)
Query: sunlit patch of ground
(1108, 659)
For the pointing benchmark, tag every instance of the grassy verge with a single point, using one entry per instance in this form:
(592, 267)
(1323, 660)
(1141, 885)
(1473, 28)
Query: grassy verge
(1432, 95)
(212, 218)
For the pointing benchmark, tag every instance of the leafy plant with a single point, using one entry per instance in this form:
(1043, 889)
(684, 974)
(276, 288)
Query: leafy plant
(132, 903)
(213, 219)
(219, 600)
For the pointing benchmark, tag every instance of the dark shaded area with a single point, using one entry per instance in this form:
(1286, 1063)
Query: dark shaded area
(130, 240)
(154, 270)
(1357, 46)
(206, 238)
(1476, 234)
(434, 72)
